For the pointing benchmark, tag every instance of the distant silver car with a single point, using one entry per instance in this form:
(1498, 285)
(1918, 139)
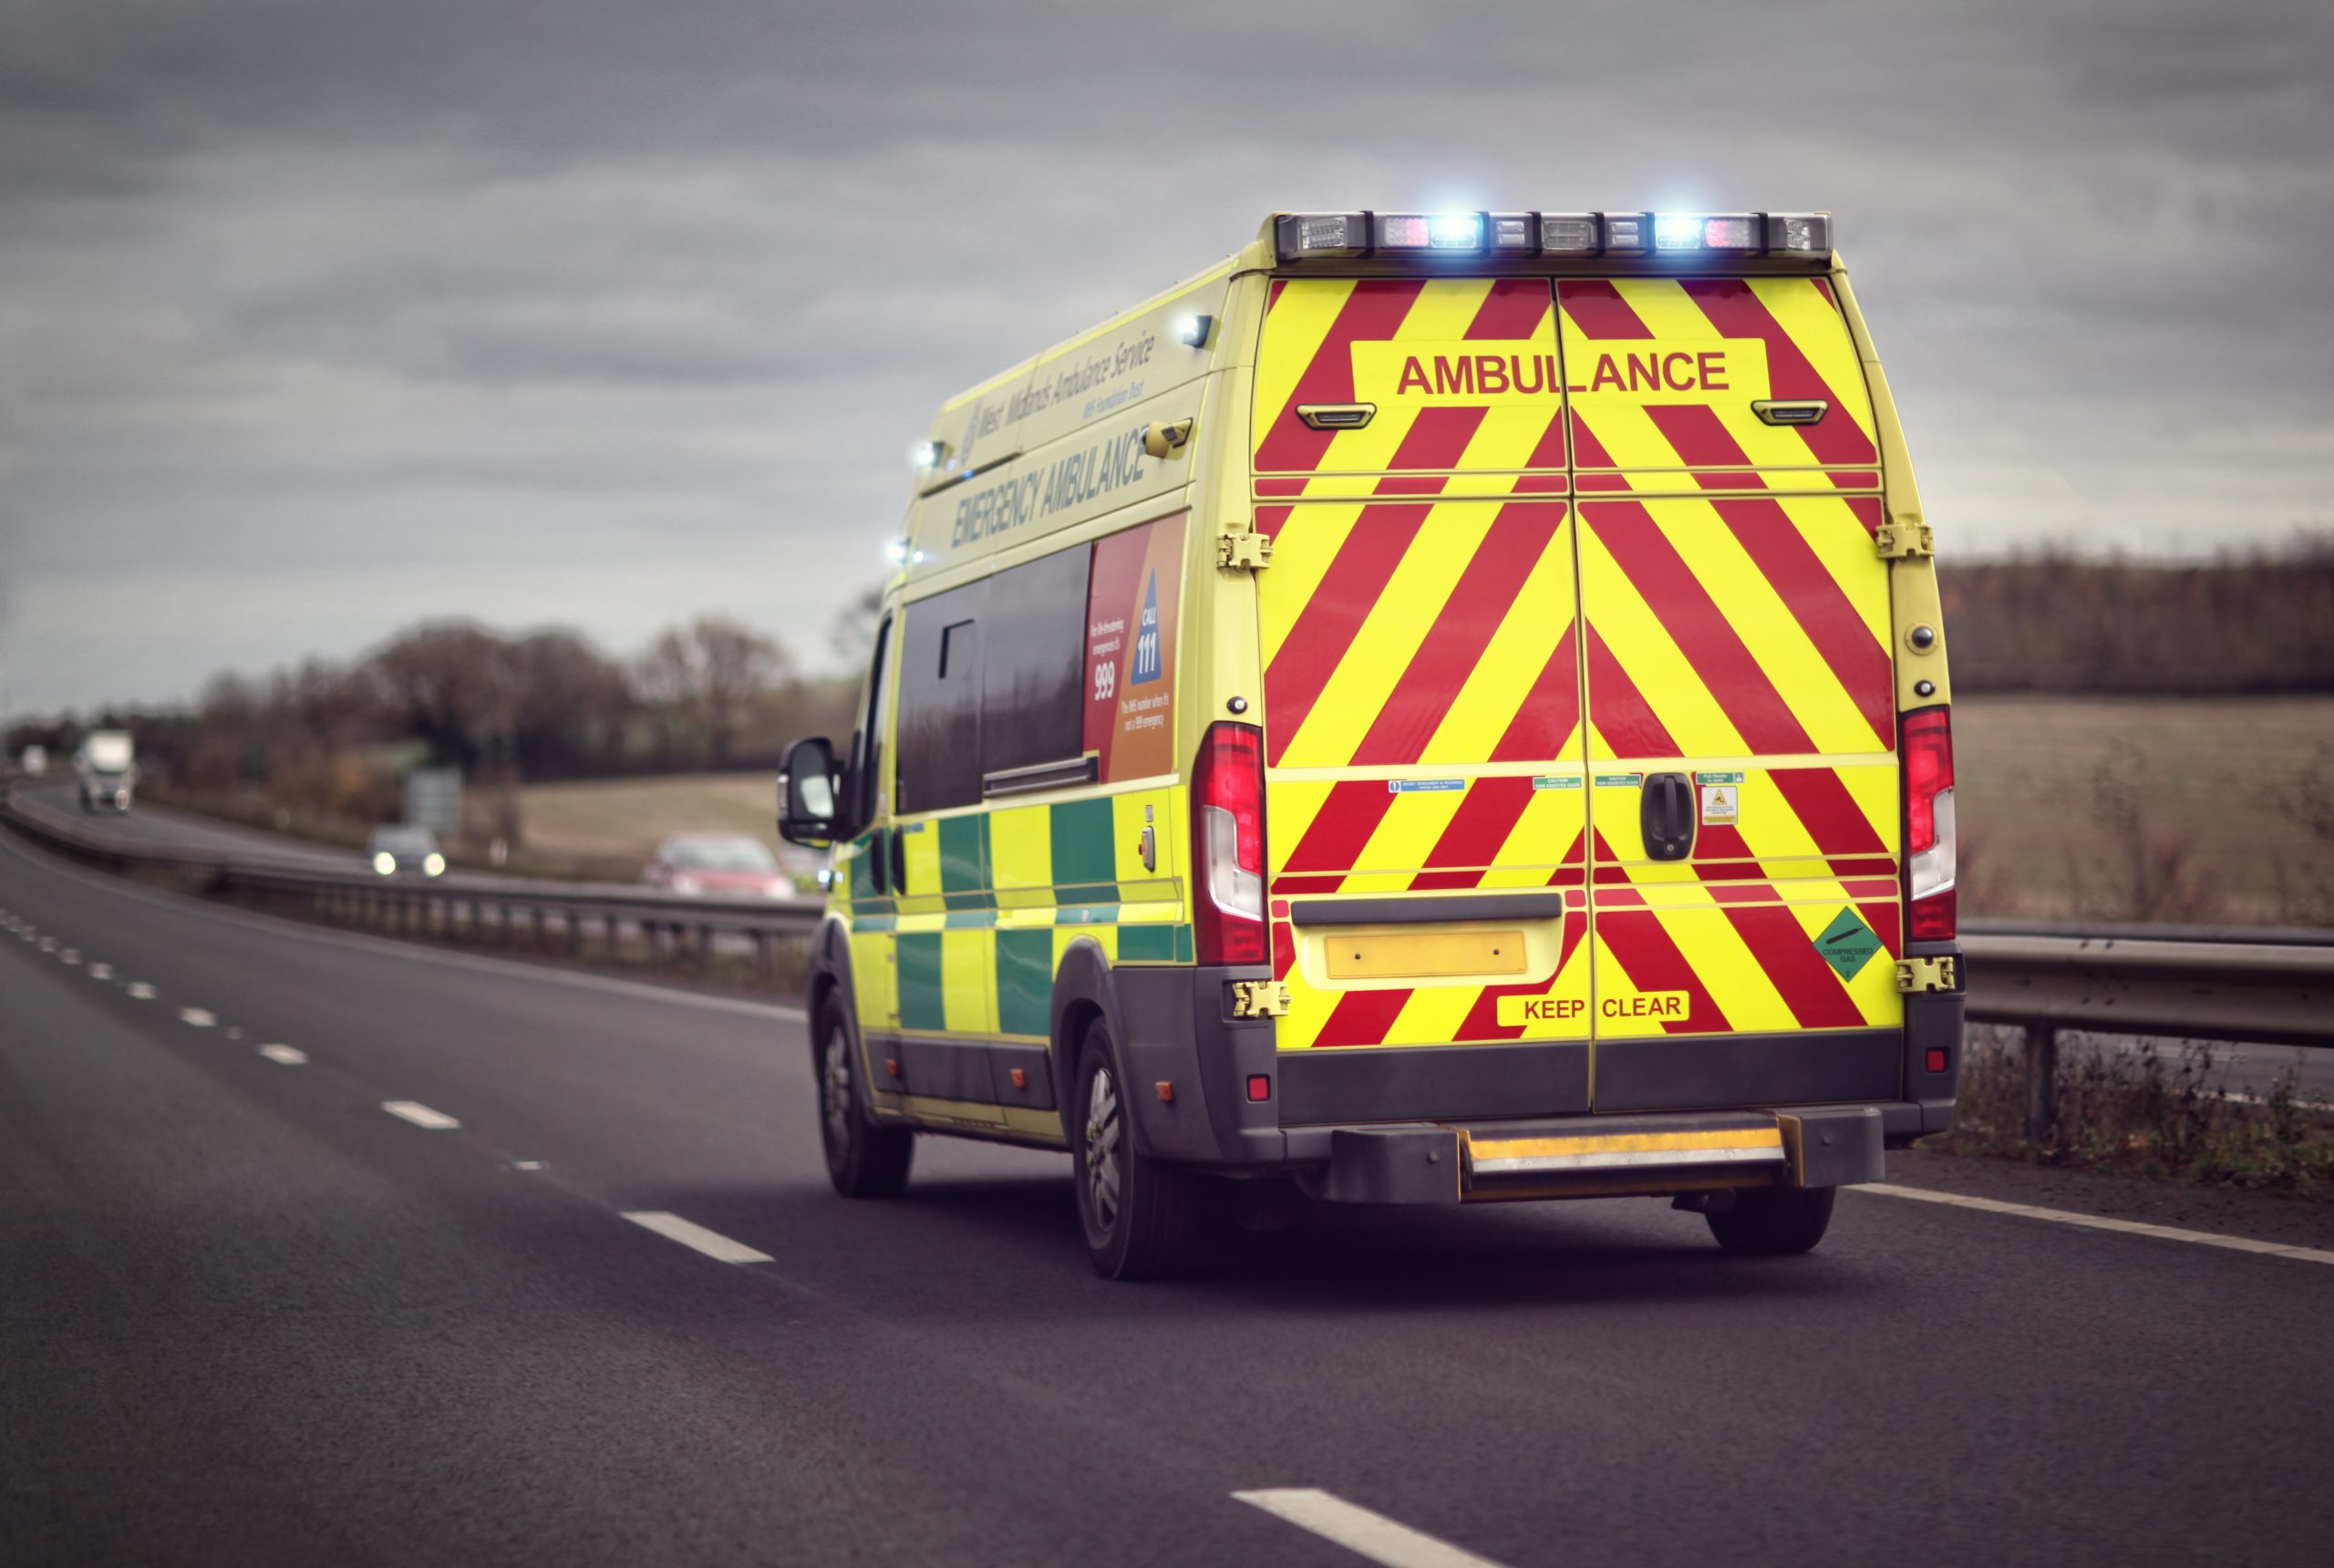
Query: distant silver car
(405, 852)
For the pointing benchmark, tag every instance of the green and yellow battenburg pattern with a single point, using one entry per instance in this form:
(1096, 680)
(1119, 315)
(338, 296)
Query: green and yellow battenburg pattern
(996, 898)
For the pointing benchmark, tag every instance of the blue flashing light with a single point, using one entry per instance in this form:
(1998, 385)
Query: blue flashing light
(1455, 232)
(1676, 232)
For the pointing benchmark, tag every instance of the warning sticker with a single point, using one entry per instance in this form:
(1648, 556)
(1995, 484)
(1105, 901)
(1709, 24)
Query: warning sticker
(1847, 944)
(1721, 803)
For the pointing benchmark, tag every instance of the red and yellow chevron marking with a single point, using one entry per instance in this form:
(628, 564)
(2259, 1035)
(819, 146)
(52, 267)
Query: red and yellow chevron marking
(1329, 1017)
(1463, 372)
(1423, 633)
(1744, 956)
(1661, 374)
(1752, 628)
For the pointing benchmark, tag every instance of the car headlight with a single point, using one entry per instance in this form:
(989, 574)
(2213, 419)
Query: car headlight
(434, 866)
(385, 862)
(687, 884)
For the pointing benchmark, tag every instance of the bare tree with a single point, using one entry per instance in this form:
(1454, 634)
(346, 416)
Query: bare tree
(853, 634)
(709, 672)
(448, 684)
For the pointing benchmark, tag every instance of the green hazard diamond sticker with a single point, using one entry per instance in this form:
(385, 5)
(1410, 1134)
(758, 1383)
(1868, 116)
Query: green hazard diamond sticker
(1847, 944)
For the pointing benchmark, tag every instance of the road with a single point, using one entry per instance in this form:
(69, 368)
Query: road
(148, 826)
(249, 1315)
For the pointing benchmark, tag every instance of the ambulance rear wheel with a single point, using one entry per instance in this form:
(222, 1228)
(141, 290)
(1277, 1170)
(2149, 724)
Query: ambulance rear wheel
(1142, 1218)
(1774, 1222)
(863, 1160)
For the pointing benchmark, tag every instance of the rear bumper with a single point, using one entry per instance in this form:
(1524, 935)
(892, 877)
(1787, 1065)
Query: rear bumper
(1330, 1111)
(1604, 1156)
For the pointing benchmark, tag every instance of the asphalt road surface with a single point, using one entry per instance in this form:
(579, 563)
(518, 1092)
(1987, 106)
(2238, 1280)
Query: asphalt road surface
(146, 826)
(250, 1316)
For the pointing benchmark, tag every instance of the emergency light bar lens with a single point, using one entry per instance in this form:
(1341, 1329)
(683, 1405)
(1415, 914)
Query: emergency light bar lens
(1568, 233)
(1512, 231)
(1738, 232)
(1311, 234)
(1807, 233)
(1456, 232)
(1675, 232)
(1628, 231)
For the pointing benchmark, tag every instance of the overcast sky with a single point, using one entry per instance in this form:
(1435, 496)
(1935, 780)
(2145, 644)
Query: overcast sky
(318, 317)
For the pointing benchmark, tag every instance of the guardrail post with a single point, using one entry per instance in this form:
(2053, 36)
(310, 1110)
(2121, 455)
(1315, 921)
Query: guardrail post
(2041, 1081)
(764, 955)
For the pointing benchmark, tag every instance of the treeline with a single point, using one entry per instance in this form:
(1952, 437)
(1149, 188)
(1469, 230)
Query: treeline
(2257, 622)
(333, 740)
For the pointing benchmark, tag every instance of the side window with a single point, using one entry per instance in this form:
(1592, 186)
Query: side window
(1032, 699)
(940, 714)
(867, 751)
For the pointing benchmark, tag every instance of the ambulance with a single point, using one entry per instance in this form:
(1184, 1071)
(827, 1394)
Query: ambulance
(1438, 708)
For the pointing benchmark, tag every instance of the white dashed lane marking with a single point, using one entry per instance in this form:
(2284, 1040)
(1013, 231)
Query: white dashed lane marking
(289, 1055)
(1359, 1529)
(48, 944)
(70, 956)
(419, 1114)
(2097, 1222)
(712, 1243)
(196, 1018)
(140, 991)
(100, 971)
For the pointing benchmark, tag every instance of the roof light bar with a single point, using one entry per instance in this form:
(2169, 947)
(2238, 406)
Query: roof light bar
(1323, 236)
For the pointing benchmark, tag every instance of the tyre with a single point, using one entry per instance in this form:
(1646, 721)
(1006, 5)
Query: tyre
(1772, 1221)
(863, 1159)
(1142, 1219)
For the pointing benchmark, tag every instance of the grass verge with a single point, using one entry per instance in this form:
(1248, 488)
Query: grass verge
(2166, 1112)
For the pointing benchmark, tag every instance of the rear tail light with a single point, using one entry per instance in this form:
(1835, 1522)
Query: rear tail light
(1228, 843)
(1927, 754)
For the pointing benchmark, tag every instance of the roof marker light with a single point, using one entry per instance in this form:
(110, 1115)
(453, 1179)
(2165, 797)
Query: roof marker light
(897, 550)
(1193, 331)
(928, 454)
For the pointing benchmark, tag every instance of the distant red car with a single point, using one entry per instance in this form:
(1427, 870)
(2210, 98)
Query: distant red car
(725, 864)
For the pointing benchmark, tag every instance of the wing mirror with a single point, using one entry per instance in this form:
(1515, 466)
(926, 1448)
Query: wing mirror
(807, 812)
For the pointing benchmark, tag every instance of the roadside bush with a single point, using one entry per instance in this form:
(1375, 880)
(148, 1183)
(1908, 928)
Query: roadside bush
(2170, 1113)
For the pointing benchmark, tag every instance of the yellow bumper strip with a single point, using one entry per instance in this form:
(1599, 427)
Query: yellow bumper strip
(1729, 1146)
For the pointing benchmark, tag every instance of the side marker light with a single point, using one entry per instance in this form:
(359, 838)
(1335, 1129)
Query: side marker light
(1260, 1086)
(1166, 1092)
(1936, 1058)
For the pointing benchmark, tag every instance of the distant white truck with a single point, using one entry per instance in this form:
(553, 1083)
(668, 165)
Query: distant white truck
(34, 760)
(107, 765)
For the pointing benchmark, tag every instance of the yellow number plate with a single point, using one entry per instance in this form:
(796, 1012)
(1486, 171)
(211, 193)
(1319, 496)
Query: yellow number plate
(1404, 954)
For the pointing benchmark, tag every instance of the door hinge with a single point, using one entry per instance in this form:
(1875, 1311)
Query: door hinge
(1917, 975)
(1243, 552)
(1259, 999)
(1902, 540)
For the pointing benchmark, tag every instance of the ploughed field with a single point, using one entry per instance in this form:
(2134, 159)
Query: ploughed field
(2101, 808)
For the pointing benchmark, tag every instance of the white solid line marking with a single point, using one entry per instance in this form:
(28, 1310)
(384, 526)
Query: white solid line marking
(196, 1018)
(1360, 1531)
(2096, 1223)
(418, 1114)
(140, 991)
(100, 971)
(712, 1243)
(290, 1056)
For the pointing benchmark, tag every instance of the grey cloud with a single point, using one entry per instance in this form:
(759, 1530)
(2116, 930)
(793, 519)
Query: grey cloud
(608, 312)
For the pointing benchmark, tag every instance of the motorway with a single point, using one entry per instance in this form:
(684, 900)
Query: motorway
(250, 1313)
(159, 828)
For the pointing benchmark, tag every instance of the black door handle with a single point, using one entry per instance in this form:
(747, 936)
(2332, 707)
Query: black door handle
(1666, 816)
(879, 874)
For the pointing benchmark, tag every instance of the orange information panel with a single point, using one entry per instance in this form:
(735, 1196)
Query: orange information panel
(1131, 601)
